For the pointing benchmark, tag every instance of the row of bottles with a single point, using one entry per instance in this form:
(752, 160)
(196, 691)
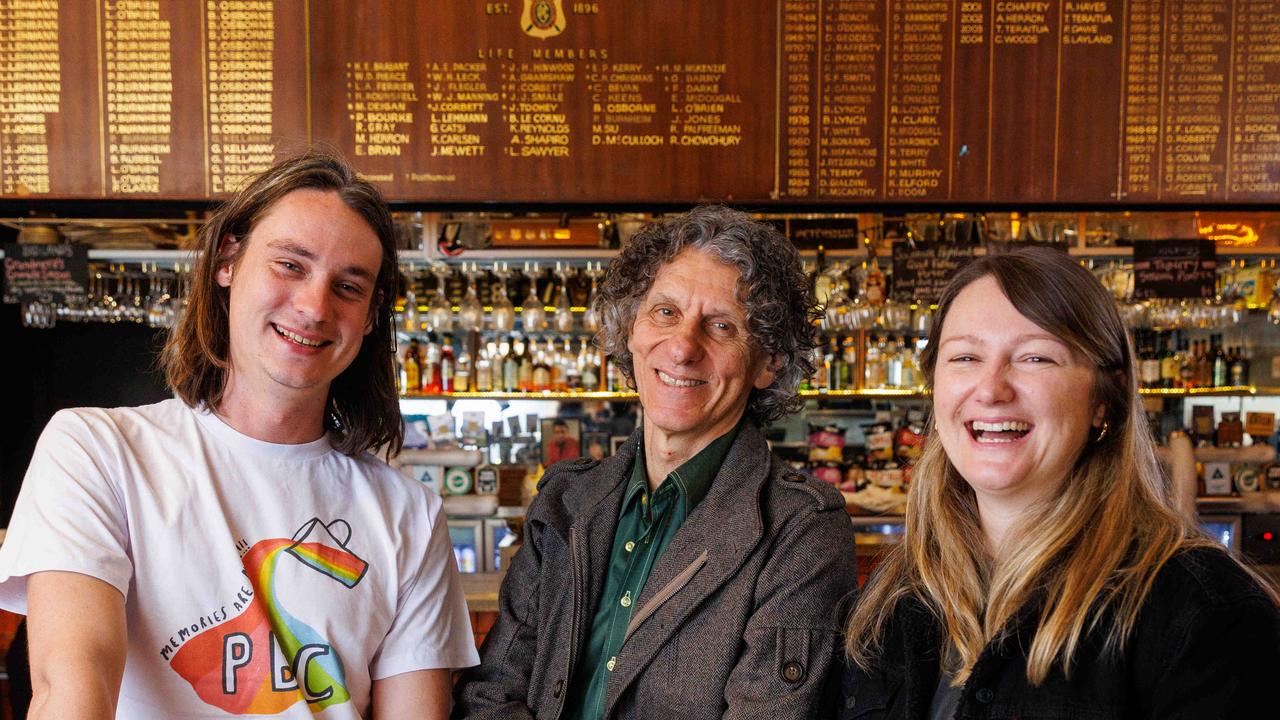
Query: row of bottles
(514, 363)
(887, 364)
(1170, 360)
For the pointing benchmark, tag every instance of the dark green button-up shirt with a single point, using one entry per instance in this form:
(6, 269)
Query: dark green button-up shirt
(646, 525)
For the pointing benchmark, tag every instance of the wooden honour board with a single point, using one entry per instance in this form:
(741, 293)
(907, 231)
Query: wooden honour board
(764, 101)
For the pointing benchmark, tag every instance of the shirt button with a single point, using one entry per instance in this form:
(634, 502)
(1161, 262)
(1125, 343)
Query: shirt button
(631, 545)
(793, 672)
(984, 695)
(612, 661)
(626, 599)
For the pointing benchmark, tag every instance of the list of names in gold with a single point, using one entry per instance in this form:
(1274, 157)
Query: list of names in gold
(535, 98)
(1019, 22)
(1140, 109)
(30, 88)
(239, 46)
(1197, 53)
(798, 68)
(380, 101)
(702, 110)
(139, 99)
(460, 102)
(1254, 160)
(918, 34)
(1088, 22)
(848, 148)
(624, 105)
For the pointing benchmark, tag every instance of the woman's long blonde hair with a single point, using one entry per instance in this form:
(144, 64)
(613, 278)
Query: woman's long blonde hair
(1091, 552)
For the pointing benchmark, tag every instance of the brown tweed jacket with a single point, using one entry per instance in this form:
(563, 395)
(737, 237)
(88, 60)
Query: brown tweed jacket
(740, 617)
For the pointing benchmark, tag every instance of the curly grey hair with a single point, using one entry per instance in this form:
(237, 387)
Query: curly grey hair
(773, 289)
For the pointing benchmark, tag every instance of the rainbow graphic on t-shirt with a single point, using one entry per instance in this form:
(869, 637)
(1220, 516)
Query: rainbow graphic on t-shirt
(265, 659)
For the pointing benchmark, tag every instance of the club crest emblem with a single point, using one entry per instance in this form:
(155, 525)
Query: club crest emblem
(542, 18)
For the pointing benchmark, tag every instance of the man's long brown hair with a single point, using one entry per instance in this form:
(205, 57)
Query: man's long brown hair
(362, 411)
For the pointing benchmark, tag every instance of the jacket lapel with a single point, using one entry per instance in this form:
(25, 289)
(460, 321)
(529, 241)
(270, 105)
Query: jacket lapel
(591, 504)
(706, 552)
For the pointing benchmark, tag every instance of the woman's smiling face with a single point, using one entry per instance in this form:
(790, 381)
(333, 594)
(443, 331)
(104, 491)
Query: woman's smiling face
(1012, 402)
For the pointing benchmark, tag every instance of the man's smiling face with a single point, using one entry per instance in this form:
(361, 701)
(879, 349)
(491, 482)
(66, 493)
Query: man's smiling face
(693, 357)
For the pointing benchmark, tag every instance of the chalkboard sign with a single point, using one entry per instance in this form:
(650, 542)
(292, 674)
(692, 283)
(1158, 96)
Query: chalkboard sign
(830, 233)
(1174, 269)
(45, 272)
(922, 270)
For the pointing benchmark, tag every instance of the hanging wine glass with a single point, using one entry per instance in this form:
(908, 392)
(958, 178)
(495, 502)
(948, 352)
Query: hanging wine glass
(533, 316)
(564, 311)
(838, 305)
(158, 309)
(470, 311)
(504, 312)
(439, 312)
(921, 319)
(136, 311)
(894, 316)
(591, 318)
(862, 314)
(409, 318)
(181, 295)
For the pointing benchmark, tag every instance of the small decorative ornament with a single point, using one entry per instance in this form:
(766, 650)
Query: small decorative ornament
(542, 19)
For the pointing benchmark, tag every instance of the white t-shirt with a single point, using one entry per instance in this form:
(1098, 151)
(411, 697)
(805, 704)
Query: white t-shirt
(241, 562)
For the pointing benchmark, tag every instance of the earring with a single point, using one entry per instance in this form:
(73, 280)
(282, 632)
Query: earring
(1103, 433)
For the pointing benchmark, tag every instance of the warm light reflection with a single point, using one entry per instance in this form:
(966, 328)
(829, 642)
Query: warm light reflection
(1235, 234)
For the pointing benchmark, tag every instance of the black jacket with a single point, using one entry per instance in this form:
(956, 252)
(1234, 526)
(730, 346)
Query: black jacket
(1206, 645)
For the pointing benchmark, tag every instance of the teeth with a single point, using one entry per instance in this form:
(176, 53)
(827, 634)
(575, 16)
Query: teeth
(1006, 426)
(297, 338)
(667, 379)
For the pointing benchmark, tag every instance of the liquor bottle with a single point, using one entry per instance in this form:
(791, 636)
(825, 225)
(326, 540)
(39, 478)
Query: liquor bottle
(447, 364)
(1168, 361)
(590, 367)
(510, 365)
(573, 363)
(1239, 367)
(613, 374)
(849, 351)
(462, 368)
(874, 285)
(412, 382)
(556, 359)
(1150, 362)
(431, 382)
(874, 371)
(910, 365)
(524, 373)
(1204, 366)
(482, 369)
(1186, 365)
(893, 365)
(541, 371)
(831, 362)
(1221, 366)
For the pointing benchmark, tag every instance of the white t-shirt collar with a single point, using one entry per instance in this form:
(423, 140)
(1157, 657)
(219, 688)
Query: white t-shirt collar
(239, 441)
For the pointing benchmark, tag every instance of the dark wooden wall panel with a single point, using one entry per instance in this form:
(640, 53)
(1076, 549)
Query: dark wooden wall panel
(838, 101)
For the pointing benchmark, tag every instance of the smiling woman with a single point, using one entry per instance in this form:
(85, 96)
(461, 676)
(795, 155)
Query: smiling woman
(1044, 563)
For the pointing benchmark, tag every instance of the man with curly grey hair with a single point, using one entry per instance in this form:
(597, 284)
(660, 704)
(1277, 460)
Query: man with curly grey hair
(692, 573)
